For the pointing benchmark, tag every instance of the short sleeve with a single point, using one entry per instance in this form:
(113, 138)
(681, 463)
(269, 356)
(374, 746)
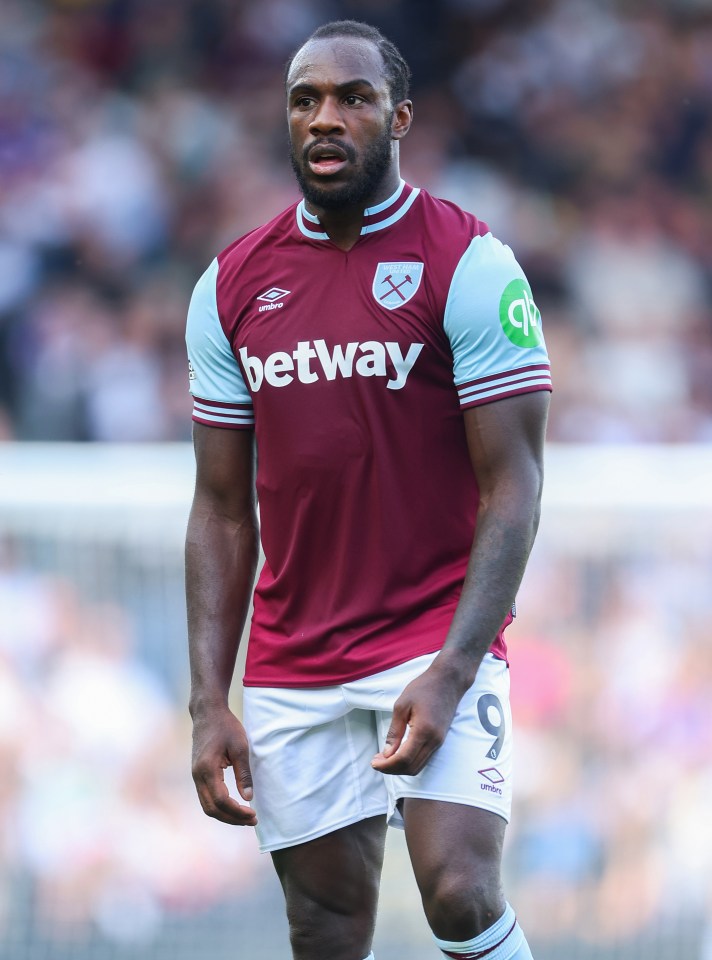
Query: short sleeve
(494, 327)
(220, 397)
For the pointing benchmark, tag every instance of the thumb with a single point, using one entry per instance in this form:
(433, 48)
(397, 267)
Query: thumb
(243, 778)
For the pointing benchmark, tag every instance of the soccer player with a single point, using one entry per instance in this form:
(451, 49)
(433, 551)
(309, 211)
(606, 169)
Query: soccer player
(370, 367)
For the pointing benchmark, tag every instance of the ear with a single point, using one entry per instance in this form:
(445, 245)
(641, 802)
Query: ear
(402, 119)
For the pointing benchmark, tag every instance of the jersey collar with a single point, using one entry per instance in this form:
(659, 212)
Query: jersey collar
(374, 218)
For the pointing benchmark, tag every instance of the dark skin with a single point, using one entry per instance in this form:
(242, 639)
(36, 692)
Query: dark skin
(220, 561)
(337, 88)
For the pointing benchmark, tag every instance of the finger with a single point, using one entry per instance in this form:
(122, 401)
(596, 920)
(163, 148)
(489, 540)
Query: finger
(216, 802)
(396, 732)
(409, 759)
(228, 810)
(411, 756)
(398, 765)
(243, 778)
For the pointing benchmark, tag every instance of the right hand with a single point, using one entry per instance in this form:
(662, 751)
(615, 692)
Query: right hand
(219, 742)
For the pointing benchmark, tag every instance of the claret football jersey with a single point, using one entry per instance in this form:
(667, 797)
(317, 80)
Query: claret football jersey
(353, 369)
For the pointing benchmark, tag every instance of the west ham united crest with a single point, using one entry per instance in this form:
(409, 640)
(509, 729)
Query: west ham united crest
(396, 283)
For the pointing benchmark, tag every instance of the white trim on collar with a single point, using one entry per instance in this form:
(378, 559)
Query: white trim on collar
(309, 224)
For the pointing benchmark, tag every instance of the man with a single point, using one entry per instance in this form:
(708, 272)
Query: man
(374, 357)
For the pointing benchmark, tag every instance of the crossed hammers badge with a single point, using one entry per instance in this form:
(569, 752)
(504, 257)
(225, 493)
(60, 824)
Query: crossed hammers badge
(396, 283)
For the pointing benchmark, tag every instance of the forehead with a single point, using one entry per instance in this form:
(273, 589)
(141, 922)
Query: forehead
(337, 60)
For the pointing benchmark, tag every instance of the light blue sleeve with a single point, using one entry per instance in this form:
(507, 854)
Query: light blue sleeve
(494, 326)
(216, 382)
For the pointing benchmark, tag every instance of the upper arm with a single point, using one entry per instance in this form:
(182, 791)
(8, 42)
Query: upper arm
(220, 395)
(225, 472)
(506, 444)
(223, 436)
(500, 368)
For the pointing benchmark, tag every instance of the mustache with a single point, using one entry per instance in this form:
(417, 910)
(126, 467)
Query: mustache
(330, 142)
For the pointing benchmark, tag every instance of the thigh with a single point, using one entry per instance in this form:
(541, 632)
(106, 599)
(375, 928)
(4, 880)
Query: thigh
(456, 853)
(444, 836)
(331, 890)
(310, 757)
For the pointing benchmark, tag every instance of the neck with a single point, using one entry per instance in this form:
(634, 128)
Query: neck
(343, 225)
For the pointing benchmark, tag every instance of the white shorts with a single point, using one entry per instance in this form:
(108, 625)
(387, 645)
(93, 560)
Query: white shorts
(311, 752)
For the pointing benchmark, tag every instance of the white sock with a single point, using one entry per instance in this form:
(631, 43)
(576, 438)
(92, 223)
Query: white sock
(370, 956)
(504, 940)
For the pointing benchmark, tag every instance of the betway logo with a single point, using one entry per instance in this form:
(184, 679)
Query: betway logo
(313, 360)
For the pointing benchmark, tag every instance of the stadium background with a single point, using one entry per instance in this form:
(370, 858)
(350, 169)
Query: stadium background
(137, 138)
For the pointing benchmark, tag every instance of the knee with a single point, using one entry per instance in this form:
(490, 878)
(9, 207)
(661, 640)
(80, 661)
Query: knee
(327, 928)
(312, 934)
(459, 907)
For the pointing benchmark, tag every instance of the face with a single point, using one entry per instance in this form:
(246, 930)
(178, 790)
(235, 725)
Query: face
(342, 125)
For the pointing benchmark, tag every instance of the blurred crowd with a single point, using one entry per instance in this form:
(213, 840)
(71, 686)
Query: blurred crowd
(611, 678)
(100, 828)
(139, 137)
(101, 834)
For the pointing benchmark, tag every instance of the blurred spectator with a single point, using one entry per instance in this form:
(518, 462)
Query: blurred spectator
(101, 833)
(97, 808)
(138, 139)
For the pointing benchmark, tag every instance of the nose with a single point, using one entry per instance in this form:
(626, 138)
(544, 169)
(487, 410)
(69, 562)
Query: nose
(327, 118)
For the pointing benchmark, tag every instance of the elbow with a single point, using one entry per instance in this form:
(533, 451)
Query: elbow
(534, 495)
(515, 503)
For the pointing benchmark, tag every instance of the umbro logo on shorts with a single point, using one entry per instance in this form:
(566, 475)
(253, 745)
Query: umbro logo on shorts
(494, 776)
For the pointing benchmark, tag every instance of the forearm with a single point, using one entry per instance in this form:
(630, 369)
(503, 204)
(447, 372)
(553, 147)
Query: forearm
(220, 563)
(506, 527)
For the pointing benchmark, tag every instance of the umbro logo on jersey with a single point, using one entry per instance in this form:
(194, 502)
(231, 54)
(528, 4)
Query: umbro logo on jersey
(272, 296)
(396, 283)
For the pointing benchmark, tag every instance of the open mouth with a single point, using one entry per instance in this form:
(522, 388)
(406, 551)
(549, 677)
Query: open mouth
(326, 159)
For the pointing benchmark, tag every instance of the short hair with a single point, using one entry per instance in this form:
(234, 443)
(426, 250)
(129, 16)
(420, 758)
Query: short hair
(397, 70)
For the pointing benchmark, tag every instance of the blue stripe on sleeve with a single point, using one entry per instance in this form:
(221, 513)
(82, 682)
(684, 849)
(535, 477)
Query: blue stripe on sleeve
(214, 371)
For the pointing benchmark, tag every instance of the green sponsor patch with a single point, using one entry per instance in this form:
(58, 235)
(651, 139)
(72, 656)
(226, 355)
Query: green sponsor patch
(519, 315)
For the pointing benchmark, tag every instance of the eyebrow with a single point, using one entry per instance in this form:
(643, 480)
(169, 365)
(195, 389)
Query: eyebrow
(306, 87)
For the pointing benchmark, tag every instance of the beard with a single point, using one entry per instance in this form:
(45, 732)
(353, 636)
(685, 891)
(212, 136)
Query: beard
(362, 185)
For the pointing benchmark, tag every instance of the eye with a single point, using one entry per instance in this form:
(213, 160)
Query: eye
(352, 100)
(304, 102)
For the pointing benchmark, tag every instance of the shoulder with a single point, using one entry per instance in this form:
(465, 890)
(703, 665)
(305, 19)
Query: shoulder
(487, 275)
(489, 257)
(241, 266)
(277, 230)
(446, 215)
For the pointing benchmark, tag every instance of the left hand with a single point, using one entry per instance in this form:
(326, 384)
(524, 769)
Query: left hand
(426, 707)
